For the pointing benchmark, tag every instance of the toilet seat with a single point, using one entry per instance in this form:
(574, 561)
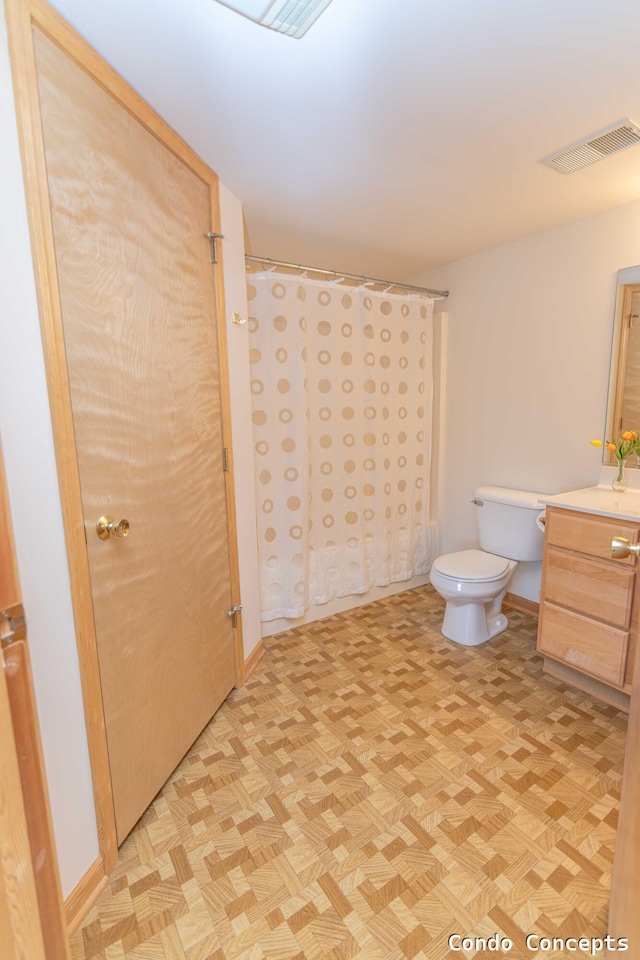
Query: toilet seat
(472, 565)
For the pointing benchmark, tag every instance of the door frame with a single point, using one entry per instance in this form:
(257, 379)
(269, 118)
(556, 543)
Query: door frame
(32, 919)
(20, 923)
(22, 17)
(624, 321)
(624, 916)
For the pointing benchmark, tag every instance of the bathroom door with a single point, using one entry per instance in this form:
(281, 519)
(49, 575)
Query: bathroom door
(137, 298)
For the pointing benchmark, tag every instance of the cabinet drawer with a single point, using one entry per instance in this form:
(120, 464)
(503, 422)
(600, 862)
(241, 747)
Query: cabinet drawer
(588, 534)
(600, 590)
(591, 647)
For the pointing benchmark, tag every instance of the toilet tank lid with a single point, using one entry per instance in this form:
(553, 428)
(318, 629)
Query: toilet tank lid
(517, 498)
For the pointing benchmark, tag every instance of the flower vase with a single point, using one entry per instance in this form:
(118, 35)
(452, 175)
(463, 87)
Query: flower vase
(619, 485)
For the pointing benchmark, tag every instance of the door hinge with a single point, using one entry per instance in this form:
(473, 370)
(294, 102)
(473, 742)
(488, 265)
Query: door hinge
(233, 612)
(213, 238)
(13, 625)
(225, 459)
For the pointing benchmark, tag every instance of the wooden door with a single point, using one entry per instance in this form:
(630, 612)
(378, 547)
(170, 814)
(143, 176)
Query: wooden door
(137, 298)
(624, 916)
(31, 917)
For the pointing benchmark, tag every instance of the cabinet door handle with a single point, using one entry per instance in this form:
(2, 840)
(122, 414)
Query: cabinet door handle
(621, 548)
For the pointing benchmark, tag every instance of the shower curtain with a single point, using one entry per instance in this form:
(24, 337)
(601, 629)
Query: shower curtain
(342, 411)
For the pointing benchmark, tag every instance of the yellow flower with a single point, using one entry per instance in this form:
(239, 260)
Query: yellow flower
(628, 443)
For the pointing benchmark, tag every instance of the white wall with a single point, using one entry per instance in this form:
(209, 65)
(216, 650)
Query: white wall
(530, 328)
(25, 428)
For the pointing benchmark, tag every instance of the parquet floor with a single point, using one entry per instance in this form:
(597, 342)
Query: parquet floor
(372, 790)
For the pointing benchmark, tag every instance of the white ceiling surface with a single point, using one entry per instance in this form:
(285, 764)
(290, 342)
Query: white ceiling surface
(396, 135)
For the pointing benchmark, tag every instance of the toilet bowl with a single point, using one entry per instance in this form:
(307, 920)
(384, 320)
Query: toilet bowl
(474, 582)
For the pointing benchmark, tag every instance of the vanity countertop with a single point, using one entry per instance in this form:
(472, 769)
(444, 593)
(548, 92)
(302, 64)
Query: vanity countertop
(600, 500)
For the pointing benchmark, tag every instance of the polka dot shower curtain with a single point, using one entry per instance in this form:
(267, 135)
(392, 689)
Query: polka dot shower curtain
(342, 410)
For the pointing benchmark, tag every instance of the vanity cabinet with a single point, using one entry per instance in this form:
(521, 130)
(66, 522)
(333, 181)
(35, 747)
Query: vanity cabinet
(588, 618)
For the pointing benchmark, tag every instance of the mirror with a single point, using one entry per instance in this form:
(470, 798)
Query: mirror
(623, 407)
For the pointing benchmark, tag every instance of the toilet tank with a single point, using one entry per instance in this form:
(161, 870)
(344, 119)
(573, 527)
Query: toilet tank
(507, 522)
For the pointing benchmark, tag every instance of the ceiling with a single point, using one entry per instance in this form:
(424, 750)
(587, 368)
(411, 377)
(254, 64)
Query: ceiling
(397, 135)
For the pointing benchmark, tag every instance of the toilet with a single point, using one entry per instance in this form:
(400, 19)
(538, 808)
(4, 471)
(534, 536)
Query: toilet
(474, 582)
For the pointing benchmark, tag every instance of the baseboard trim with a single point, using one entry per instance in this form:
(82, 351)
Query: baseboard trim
(522, 605)
(84, 895)
(253, 659)
(596, 688)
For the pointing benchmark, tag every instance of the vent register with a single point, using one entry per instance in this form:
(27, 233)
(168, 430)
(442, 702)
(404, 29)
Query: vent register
(619, 136)
(292, 17)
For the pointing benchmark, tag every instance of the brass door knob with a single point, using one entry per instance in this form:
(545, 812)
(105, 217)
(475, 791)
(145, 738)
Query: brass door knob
(107, 527)
(621, 548)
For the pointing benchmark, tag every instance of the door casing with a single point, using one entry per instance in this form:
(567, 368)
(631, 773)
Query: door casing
(31, 915)
(22, 16)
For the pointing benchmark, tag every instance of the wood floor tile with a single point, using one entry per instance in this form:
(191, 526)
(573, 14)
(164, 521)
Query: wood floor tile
(371, 790)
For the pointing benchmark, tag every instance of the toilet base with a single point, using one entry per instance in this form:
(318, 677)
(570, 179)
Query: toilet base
(471, 624)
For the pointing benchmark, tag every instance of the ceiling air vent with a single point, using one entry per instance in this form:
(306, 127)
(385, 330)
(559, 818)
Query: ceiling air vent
(619, 136)
(293, 17)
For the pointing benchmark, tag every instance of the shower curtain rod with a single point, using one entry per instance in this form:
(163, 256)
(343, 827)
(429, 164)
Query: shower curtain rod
(434, 294)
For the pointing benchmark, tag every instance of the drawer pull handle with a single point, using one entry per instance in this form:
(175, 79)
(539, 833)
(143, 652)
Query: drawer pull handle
(621, 548)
